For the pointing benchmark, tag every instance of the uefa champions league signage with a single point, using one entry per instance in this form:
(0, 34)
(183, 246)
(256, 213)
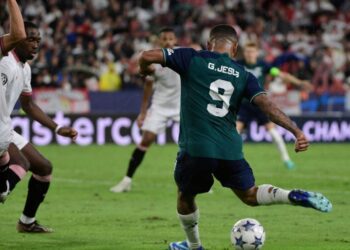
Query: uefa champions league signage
(123, 130)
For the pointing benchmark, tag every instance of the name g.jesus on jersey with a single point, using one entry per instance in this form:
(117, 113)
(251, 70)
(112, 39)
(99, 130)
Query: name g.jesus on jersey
(223, 69)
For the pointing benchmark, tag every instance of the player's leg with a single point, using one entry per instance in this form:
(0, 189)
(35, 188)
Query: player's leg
(135, 161)
(38, 187)
(267, 194)
(188, 215)
(148, 138)
(154, 124)
(193, 175)
(13, 168)
(238, 176)
(277, 138)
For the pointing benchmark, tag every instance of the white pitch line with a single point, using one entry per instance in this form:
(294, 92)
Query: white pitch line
(82, 181)
(109, 183)
(104, 182)
(308, 177)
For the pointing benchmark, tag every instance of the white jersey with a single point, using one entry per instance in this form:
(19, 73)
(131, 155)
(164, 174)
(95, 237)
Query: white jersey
(167, 89)
(5, 120)
(17, 76)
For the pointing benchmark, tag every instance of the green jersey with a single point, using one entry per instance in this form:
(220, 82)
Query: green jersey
(212, 88)
(260, 70)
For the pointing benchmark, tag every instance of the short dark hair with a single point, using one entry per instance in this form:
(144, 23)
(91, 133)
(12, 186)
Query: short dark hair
(223, 31)
(166, 29)
(28, 25)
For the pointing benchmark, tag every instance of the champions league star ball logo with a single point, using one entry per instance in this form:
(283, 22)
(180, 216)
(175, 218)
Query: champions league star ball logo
(4, 78)
(248, 234)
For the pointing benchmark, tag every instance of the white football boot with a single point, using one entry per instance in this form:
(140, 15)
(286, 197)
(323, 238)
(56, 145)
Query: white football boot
(123, 186)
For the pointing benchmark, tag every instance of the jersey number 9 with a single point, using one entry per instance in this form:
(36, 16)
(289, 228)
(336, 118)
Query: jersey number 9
(220, 90)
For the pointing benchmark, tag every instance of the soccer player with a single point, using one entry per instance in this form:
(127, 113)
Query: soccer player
(165, 106)
(10, 158)
(16, 70)
(249, 112)
(7, 43)
(212, 88)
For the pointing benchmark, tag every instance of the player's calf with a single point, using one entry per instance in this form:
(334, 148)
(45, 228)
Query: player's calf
(10, 174)
(248, 196)
(38, 184)
(37, 189)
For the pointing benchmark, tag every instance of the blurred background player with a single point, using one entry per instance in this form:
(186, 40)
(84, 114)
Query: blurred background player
(249, 112)
(165, 86)
(16, 70)
(7, 43)
(212, 87)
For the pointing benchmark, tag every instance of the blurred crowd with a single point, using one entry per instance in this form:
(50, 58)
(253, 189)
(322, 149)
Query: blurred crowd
(94, 43)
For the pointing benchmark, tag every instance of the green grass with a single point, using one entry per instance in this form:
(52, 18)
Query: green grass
(85, 215)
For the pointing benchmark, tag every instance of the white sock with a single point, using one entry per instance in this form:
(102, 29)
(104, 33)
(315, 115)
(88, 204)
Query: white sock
(268, 194)
(127, 179)
(189, 223)
(26, 220)
(277, 138)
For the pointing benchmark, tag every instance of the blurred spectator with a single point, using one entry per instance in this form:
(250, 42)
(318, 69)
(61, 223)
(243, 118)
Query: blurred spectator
(80, 36)
(110, 80)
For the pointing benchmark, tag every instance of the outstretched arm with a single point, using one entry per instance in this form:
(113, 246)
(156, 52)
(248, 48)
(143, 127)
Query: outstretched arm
(35, 112)
(286, 77)
(280, 118)
(17, 31)
(149, 57)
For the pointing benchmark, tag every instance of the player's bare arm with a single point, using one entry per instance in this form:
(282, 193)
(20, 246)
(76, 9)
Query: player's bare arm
(278, 117)
(286, 77)
(17, 31)
(36, 113)
(147, 92)
(149, 57)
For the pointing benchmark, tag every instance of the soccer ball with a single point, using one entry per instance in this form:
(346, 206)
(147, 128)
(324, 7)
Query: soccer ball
(247, 234)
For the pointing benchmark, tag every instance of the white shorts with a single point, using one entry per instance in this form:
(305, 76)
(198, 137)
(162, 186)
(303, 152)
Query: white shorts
(156, 120)
(5, 140)
(2, 151)
(19, 140)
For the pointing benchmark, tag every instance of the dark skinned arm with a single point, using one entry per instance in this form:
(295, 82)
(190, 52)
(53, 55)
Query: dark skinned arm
(149, 57)
(35, 112)
(280, 118)
(17, 31)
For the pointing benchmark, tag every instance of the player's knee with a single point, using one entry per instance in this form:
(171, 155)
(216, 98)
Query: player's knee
(147, 139)
(250, 201)
(44, 169)
(48, 167)
(146, 142)
(249, 197)
(186, 200)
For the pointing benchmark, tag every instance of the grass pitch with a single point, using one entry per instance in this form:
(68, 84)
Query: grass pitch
(85, 215)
